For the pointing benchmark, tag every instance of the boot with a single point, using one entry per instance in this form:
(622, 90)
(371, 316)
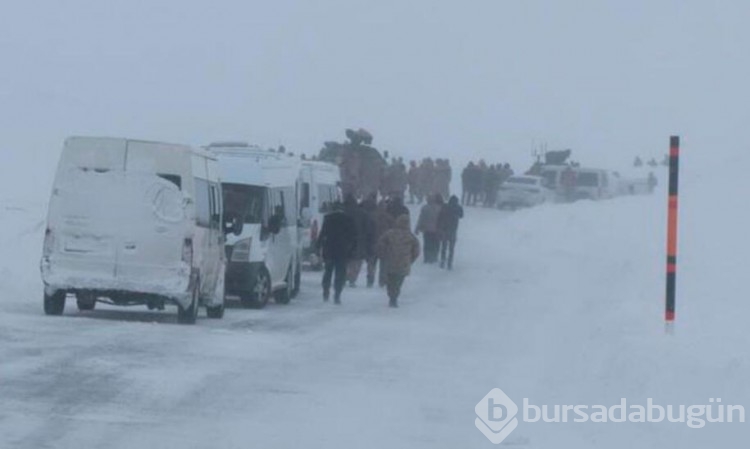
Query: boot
(337, 299)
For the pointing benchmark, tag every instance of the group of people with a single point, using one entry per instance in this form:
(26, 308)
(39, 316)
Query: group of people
(430, 177)
(480, 182)
(378, 236)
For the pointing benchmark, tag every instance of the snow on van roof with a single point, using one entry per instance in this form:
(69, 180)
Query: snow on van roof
(258, 169)
(89, 141)
(230, 144)
(244, 149)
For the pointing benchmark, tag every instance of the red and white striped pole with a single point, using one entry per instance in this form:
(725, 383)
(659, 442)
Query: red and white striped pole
(674, 160)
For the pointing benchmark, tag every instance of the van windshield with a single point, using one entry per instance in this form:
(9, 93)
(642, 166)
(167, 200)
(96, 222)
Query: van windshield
(244, 201)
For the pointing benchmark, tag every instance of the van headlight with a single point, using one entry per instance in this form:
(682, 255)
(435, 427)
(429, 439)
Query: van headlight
(241, 250)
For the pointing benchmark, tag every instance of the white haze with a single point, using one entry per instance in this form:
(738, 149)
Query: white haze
(609, 79)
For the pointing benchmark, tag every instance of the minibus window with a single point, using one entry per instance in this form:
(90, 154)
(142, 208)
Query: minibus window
(305, 196)
(202, 203)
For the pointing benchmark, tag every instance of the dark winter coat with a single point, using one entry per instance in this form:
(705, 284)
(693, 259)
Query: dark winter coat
(365, 230)
(380, 218)
(398, 248)
(448, 218)
(338, 236)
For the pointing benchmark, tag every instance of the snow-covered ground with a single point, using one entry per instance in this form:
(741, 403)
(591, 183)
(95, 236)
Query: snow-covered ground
(561, 304)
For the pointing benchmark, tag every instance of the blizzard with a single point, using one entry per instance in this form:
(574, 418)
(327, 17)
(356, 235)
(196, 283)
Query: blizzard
(559, 304)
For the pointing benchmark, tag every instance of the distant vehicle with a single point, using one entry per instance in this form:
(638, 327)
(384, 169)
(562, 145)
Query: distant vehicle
(633, 185)
(523, 191)
(261, 199)
(594, 184)
(590, 183)
(319, 188)
(133, 222)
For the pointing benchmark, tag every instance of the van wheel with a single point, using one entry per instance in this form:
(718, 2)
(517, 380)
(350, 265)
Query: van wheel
(284, 295)
(54, 304)
(188, 315)
(261, 293)
(297, 281)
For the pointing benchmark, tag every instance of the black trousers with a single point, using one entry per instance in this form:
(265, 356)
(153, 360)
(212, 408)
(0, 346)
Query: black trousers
(335, 268)
(447, 245)
(431, 246)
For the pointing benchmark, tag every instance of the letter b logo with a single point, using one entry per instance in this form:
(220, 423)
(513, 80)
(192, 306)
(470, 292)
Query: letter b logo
(496, 416)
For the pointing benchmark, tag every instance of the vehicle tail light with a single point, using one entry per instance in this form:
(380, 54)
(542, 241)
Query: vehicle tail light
(241, 250)
(187, 251)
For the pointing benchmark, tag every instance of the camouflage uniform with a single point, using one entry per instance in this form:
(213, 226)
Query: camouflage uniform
(399, 248)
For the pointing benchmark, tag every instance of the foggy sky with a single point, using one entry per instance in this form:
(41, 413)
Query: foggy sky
(608, 78)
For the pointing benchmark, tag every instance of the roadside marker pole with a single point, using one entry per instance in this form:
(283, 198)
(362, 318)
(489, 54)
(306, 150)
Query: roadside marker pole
(674, 159)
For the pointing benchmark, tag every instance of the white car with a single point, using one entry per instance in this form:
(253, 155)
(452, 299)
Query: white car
(523, 191)
(260, 197)
(319, 189)
(133, 222)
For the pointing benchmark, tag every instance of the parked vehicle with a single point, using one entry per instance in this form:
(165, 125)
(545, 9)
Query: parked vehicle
(590, 183)
(261, 199)
(133, 222)
(319, 188)
(594, 184)
(552, 177)
(523, 191)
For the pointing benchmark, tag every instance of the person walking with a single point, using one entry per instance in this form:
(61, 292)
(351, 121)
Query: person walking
(375, 229)
(365, 230)
(427, 225)
(413, 180)
(396, 207)
(383, 222)
(337, 241)
(399, 248)
(448, 219)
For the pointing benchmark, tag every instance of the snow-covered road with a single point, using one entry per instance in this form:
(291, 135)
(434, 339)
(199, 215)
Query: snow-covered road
(561, 304)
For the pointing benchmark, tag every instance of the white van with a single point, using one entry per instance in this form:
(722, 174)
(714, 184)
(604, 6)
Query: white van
(260, 197)
(591, 183)
(133, 222)
(319, 189)
(594, 184)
